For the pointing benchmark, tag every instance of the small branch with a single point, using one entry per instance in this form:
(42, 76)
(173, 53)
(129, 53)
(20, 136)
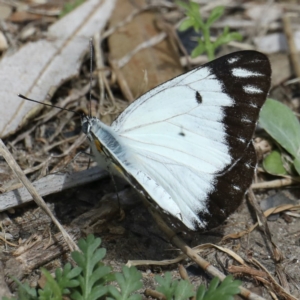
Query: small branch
(263, 225)
(291, 44)
(36, 197)
(205, 265)
(275, 183)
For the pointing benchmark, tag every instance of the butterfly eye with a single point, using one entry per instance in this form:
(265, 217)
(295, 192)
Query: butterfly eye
(86, 126)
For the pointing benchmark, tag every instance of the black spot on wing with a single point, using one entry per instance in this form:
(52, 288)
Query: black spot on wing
(198, 98)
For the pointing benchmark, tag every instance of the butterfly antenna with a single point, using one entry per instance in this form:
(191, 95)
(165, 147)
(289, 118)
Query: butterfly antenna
(50, 105)
(91, 79)
(91, 74)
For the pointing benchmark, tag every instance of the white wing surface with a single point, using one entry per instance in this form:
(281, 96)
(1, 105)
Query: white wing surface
(189, 139)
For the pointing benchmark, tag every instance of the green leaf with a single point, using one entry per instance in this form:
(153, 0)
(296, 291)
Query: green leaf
(297, 164)
(273, 163)
(92, 280)
(283, 126)
(194, 7)
(201, 292)
(68, 7)
(227, 37)
(186, 24)
(25, 292)
(51, 287)
(183, 290)
(216, 13)
(166, 285)
(199, 49)
(216, 291)
(194, 20)
(129, 281)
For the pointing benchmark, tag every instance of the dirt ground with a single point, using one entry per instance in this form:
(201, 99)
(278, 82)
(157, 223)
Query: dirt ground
(33, 241)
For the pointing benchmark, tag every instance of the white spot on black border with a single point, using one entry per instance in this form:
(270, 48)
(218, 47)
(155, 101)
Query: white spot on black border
(244, 73)
(251, 89)
(233, 60)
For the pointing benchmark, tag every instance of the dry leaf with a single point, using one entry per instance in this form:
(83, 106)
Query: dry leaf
(151, 66)
(38, 66)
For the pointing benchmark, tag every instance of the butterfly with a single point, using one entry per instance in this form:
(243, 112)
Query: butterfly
(186, 145)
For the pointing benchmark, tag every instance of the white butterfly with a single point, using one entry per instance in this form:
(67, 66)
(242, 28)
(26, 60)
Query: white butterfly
(186, 144)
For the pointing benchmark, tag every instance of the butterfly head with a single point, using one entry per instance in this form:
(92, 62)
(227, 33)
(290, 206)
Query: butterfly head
(91, 125)
(87, 123)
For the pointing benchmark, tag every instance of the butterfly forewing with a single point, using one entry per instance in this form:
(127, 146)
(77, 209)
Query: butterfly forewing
(186, 145)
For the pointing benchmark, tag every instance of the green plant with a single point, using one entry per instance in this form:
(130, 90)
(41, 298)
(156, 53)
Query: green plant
(91, 280)
(182, 289)
(68, 7)
(194, 20)
(282, 125)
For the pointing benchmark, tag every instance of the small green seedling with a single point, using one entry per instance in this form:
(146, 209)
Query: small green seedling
(68, 7)
(182, 289)
(194, 20)
(282, 125)
(90, 279)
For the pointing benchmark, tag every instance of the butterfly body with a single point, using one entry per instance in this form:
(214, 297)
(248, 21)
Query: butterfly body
(186, 145)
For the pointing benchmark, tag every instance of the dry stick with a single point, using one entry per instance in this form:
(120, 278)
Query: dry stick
(173, 38)
(272, 282)
(36, 197)
(205, 265)
(183, 273)
(80, 139)
(154, 294)
(275, 183)
(122, 82)
(268, 212)
(291, 43)
(103, 83)
(99, 67)
(58, 130)
(263, 225)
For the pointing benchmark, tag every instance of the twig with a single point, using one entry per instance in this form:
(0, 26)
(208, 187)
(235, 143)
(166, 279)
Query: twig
(291, 43)
(36, 197)
(263, 225)
(246, 270)
(154, 294)
(183, 273)
(50, 184)
(275, 183)
(270, 211)
(80, 139)
(272, 282)
(103, 84)
(181, 257)
(205, 265)
(122, 81)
